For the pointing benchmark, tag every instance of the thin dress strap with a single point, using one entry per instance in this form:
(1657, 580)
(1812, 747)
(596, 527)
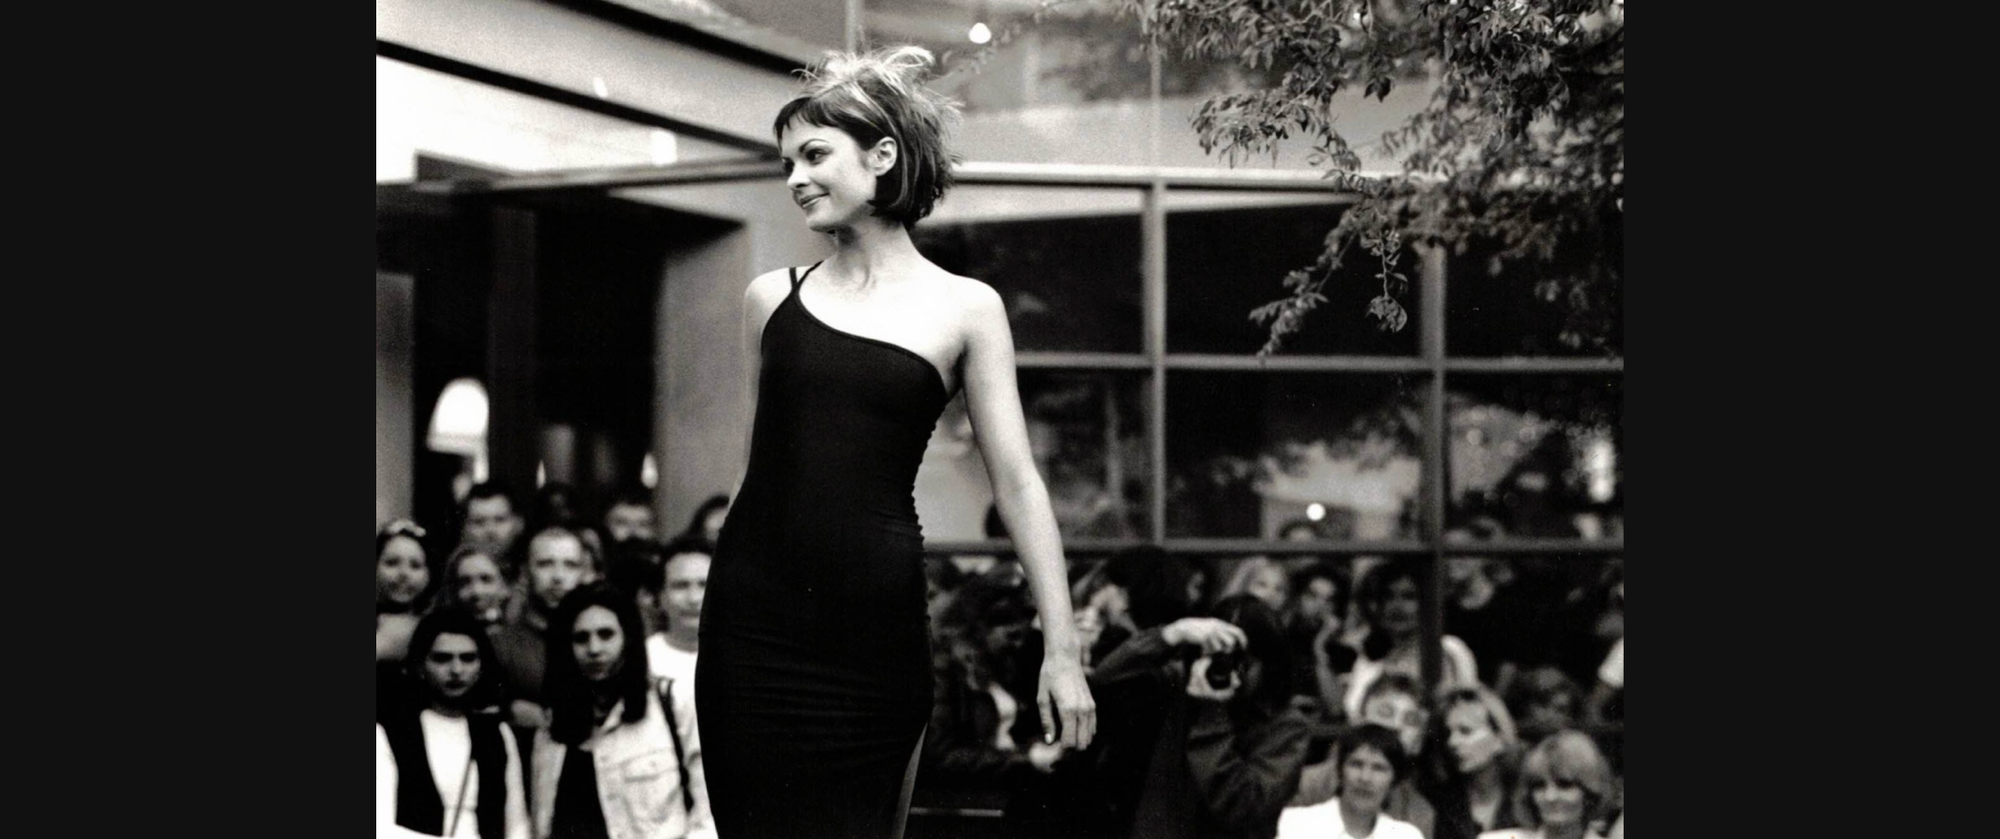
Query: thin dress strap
(799, 279)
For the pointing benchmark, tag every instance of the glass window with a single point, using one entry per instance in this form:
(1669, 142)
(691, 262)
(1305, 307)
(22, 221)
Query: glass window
(1229, 253)
(1066, 260)
(1536, 456)
(1248, 452)
(1087, 430)
(1524, 308)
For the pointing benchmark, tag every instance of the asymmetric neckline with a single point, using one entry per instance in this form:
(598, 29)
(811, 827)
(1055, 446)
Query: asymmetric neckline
(798, 299)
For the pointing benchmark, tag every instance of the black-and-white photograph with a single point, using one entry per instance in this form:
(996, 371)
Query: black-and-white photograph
(999, 419)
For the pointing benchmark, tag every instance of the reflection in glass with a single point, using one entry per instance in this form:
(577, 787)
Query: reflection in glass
(1087, 431)
(1066, 260)
(1495, 307)
(1249, 452)
(1228, 253)
(1536, 456)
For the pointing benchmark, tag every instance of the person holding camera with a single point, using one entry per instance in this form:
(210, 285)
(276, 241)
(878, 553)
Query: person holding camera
(1203, 743)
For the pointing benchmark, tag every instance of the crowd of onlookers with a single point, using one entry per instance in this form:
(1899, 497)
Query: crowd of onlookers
(1255, 696)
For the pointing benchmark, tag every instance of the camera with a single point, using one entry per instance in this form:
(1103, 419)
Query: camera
(1220, 667)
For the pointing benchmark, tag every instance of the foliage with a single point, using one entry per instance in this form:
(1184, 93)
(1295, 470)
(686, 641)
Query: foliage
(1521, 147)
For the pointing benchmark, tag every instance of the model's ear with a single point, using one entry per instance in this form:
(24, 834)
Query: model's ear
(882, 157)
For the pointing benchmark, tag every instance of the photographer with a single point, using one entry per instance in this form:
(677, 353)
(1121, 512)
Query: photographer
(1202, 742)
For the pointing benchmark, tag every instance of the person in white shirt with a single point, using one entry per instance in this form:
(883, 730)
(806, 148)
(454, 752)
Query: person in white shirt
(621, 756)
(447, 766)
(683, 581)
(1371, 761)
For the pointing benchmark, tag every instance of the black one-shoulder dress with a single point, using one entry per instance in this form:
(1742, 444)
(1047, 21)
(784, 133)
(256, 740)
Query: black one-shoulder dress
(814, 682)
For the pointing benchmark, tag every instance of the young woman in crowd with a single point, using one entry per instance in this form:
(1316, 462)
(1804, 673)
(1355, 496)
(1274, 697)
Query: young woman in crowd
(1566, 791)
(621, 755)
(1263, 578)
(448, 767)
(1369, 761)
(402, 586)
(1390, 604)
(1473, 790)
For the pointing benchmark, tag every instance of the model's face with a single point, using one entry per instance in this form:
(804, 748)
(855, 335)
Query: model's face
(1471, 738)
(1399, 713)
(831, 177)
(452, 667)
(1365, 779)
(1270, 586)
(490, 522)
(1558, 801)
(681, 595)
(1400, 607)
(400, 573)
(556, 565)
(599, 644)
(629, 521)
(479, 585)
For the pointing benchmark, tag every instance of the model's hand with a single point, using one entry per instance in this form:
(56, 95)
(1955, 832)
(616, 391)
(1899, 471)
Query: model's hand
(1065, 699)
(1199, 688)
(1212, 635)
(1043, 756)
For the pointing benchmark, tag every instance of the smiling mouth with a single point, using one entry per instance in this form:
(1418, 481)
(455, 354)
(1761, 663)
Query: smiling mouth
(807, 202)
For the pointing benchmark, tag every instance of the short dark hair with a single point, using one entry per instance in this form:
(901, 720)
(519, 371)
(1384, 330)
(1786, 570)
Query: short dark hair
(489, 489)
(484, 692)
(708, 505)
(568, 692)
(631, 496)
(589, 552)
(1374, 589)
(1377, 737)
(879, 94)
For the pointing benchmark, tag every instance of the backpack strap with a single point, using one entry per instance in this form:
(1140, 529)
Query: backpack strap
(665, 687)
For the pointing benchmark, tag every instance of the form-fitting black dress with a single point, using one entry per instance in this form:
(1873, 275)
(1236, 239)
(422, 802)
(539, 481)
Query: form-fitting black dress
(814, 681)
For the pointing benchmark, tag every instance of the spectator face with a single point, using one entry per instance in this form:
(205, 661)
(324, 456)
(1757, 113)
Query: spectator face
(1400, 713)
(556, 565)
(400, 573)
(1270, 586)
(480, 586)
(491, 522)
(629, 521)
(1316, 601)
(1471, 737)
(1111, 602)
(1400, 607)
(1365, 779)
(1550, 714)
(598, 643)
(1558, 801)
(451, 667)
(686, 584)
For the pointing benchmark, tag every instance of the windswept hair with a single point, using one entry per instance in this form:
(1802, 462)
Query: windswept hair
(879, 94)
(447, 583)
(1497, 716)
(1569, 756)
(567, 690)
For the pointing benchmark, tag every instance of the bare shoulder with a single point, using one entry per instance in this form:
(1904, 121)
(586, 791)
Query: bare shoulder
(769, 288)
(972, 300)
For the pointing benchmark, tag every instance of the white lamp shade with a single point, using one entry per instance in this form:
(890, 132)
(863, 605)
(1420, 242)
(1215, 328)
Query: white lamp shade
(458, 426)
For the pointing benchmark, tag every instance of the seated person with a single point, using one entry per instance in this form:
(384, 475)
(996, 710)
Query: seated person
(1395, 702)
(1566, 791)
(1370, 761)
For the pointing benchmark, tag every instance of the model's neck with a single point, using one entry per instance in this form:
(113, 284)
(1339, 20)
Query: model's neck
(1484, 783)
(449, 709)
(871, 249)
(1358, 822)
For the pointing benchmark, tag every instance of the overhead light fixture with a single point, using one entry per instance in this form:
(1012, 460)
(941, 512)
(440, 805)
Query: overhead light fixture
(458, 423)
(649, 472)
(979, 33)
(1316, 511)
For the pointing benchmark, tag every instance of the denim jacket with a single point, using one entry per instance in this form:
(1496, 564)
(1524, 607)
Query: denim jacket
(638, 779)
